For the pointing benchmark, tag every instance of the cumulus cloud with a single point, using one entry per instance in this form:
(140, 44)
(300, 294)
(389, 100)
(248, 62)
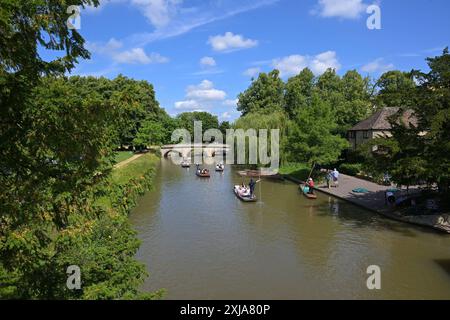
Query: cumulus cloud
(131, 56)
(187, 105)
(207, 62)
(324, 61)
(231, 42)
(378, 65)
(201, 96)
(252, 72)
(294, 64)
(138, 56)
(205, 91)
(346, 9)
(291, 65)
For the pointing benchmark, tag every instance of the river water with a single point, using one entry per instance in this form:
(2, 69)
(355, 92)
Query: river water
(200, 242)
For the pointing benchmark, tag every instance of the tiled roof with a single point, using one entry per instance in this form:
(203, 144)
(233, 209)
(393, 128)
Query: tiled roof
(380, 120)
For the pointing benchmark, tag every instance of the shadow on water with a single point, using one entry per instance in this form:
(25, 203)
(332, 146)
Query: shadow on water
(362, 218)
(444, 264)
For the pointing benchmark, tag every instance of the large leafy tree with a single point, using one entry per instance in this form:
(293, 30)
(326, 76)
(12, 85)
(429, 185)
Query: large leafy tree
(186, 121)
(150, 133)
(433, 110)
(299, 90)
(310, 136)
(55, 154)
(273, 121)
(356, 104)
(418, 151)
(394, 90)
(265, 94)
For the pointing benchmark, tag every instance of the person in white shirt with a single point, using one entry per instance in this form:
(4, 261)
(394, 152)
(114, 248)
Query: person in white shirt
(335, 175)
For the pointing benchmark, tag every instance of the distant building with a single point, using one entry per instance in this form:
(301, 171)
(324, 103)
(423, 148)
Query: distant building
(377, 126)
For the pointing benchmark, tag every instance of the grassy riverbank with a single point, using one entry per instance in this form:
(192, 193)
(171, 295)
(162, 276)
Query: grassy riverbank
(134, 169)
(120, 156)
(128, 182)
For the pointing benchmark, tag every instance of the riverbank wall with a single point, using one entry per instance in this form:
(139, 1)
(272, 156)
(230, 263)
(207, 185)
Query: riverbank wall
(374, 201)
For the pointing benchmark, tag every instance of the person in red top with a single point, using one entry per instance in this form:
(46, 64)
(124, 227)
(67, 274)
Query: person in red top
(311, 185)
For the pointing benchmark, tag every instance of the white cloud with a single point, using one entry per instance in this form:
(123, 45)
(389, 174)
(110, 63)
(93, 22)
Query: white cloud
(291, 65)
(378, 65)
(202, 96)
(225, 116)
(132, 56)
(231, 42)
(184, 19)
(205, 91)
(138, 56)
(104, 48)
(252, 72)
(346, 9)
(187, 105)
(158, 12)
(208, 62)
(324, 61)
(294, 64)
(231, 103)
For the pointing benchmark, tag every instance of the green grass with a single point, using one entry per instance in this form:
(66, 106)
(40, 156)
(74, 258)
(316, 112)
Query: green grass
(120, 156)
(134, 169)
(297, 170)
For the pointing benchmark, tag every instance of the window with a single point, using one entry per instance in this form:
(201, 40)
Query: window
(352, 134)
(366, 134)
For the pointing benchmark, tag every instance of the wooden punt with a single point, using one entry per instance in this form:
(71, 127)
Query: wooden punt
(306, 194)
(203, 175)
(242, 198)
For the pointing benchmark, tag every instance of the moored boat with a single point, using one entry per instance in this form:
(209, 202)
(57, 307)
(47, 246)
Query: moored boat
(305, 191)
(220, 167)
(260, 174)
(243, 193)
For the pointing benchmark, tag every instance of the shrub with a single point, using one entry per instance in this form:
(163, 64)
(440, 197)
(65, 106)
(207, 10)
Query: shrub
(352, 169)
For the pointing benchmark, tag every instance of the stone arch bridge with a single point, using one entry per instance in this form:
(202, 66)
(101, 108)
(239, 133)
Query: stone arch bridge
(186, 150)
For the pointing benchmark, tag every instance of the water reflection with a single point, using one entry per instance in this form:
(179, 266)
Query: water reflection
(201, 242)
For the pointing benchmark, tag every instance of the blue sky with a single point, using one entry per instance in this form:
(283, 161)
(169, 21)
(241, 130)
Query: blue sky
(199, 54)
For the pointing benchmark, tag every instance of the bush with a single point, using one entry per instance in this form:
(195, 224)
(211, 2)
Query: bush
(352, 169)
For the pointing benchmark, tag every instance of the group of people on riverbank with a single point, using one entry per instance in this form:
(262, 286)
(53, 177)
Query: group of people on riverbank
(332, 177)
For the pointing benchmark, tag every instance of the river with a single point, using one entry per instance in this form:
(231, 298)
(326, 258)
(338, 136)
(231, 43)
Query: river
(200, 242)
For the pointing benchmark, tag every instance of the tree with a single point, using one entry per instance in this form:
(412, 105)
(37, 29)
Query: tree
(356, 105)
(394, 90)
(310, 135)
(433, 111)
(137, 102)
(273, 121)
(55, 155)
(299, 90)
(418, 150)
(223, 127)
(186, 121)
(265, 95)
(150, 133)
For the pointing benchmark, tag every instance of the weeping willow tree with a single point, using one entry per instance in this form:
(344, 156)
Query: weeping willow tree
(255, 122)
